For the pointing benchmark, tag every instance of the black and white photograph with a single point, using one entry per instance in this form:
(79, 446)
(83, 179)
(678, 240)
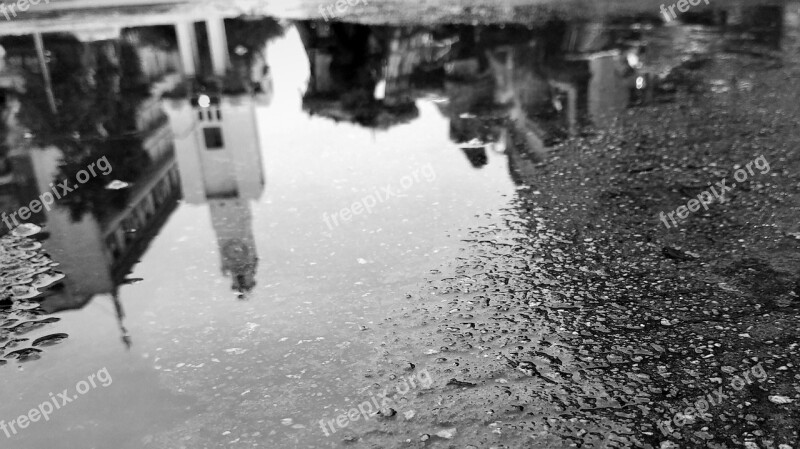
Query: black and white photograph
(380, 224)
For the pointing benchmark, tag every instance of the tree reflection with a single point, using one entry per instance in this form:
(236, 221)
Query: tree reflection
(98, 88)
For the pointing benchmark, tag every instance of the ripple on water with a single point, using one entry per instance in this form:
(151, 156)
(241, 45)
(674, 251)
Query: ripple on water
(50, 340)
(26, 273)
(25, 355)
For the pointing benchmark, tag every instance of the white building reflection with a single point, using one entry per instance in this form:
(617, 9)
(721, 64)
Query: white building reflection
(218, 150)
(212, 153)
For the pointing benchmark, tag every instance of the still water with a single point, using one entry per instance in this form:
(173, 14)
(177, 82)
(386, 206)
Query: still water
(276, 188)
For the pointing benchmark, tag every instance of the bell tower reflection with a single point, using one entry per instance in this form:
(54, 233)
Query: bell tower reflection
(233, 226)
(219, 154)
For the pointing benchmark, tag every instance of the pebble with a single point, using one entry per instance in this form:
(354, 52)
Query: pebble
(446, 433)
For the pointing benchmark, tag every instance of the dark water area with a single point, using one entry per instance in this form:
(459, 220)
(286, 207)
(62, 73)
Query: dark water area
(229, 209)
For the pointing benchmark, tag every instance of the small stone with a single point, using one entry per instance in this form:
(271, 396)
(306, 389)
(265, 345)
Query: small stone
(704, 435)
(777, 399)
(387, 412)
(460, 383)
(446, 433)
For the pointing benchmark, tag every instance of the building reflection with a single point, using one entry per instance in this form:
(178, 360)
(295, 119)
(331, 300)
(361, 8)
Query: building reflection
(219, 154)
(513, 89)
(99, 234)
(360, 73)
(218, 147)
(128, 94)
(502, 86)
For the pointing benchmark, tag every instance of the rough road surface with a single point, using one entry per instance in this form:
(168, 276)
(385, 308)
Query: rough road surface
(585, 322)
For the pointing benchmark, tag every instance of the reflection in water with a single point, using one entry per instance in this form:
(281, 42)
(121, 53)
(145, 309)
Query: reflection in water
(501, 87)
(97, 234)
(509, 89)
(112, 86)
(357, 72)
(219, 155)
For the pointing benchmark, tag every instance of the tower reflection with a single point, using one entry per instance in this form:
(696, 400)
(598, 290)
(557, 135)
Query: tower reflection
(218, 149)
